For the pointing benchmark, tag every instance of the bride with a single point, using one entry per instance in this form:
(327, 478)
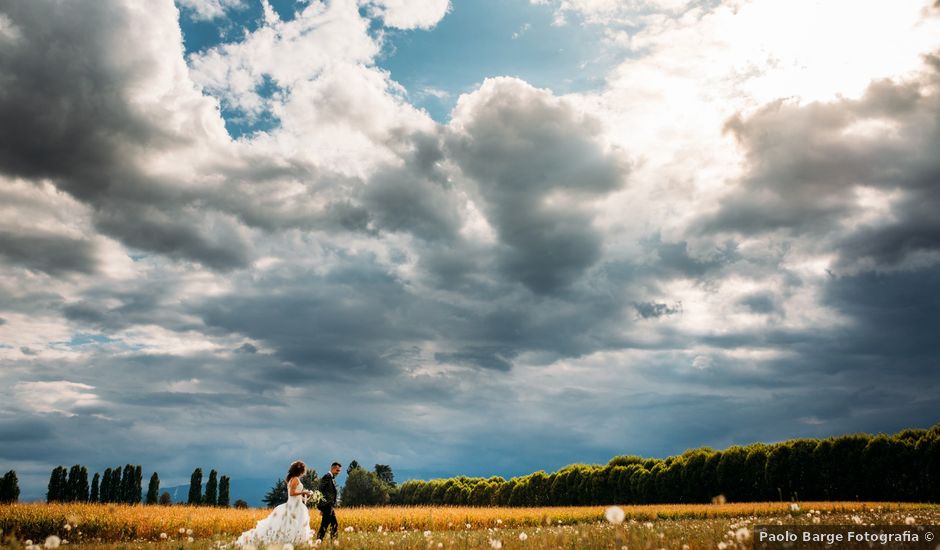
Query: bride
(288, 522)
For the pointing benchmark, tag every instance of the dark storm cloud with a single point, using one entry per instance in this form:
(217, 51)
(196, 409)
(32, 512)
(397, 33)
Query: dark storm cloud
(652, 310)
(247, 347)
(536, 160)
(483, 358)
(417, 197)
(807, 164)
(16, 431)
(67, 114)
(111, 308)
(760, 302)
(343, 322)
(48, 252)
(897, 318)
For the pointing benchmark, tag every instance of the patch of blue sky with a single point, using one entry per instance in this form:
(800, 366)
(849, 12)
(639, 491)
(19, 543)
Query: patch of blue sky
(85, 340)
(475, 40)
(238, 123)
(200, 34)
(484, 38)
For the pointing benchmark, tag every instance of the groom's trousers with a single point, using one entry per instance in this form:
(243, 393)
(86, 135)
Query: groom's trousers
(328, 520)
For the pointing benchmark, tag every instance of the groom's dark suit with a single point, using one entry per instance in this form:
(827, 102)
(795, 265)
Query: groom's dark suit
(328, 488)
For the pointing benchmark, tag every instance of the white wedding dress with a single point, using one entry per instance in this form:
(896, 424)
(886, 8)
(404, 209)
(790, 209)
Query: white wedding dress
(288, 522)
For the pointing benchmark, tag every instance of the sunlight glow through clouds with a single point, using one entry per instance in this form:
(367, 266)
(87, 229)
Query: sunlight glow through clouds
(59, 397)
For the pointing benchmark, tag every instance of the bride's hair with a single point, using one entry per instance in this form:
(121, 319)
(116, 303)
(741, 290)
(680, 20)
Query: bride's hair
(297, 468)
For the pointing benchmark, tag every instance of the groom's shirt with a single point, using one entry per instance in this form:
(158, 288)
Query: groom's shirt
(328, 488)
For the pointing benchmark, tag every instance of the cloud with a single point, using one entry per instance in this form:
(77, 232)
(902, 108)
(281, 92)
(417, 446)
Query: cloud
(100, 130)
(537, 163)
(62, 397)
(411, 14)
(209, 9)
(856, 173)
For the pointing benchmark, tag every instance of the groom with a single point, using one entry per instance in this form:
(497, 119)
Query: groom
(328, 488)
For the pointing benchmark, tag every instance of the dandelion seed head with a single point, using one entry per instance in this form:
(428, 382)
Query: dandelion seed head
(615, 514)
(52, 541)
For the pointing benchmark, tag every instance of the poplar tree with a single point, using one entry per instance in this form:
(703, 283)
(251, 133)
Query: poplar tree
(223, 491)
(104, 492)
(153, 490)
(57, 482)
(73, 487)
(9, 488)
(127, 484)
(95, 495)
(212, 489)
(138, 484)
(195, 487)
(81, 487)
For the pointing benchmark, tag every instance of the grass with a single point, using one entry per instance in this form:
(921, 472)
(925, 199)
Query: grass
(113, 527)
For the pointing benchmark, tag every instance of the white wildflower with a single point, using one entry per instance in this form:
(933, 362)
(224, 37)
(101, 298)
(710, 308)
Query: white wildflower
(52, 541)
(742, 534)
(615, 514)
(427, 533)
(189, 539)
(816, 519)
(910, 520)
(722, 545)
(189, 532)
(794, 507)
(182, 530)
(496, 544)
(349, 529)
(523, 536)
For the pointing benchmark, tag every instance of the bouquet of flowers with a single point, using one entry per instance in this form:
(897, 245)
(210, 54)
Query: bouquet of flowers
(314, 497)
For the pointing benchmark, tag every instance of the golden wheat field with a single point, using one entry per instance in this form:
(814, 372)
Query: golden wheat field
(646, 526)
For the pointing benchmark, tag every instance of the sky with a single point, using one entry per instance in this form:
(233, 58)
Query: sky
(466, 237)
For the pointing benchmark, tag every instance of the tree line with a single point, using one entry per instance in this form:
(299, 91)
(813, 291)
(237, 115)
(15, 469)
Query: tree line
(901, 467)
(122, 485)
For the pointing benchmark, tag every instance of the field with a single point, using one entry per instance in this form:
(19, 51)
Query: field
(109, 527)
